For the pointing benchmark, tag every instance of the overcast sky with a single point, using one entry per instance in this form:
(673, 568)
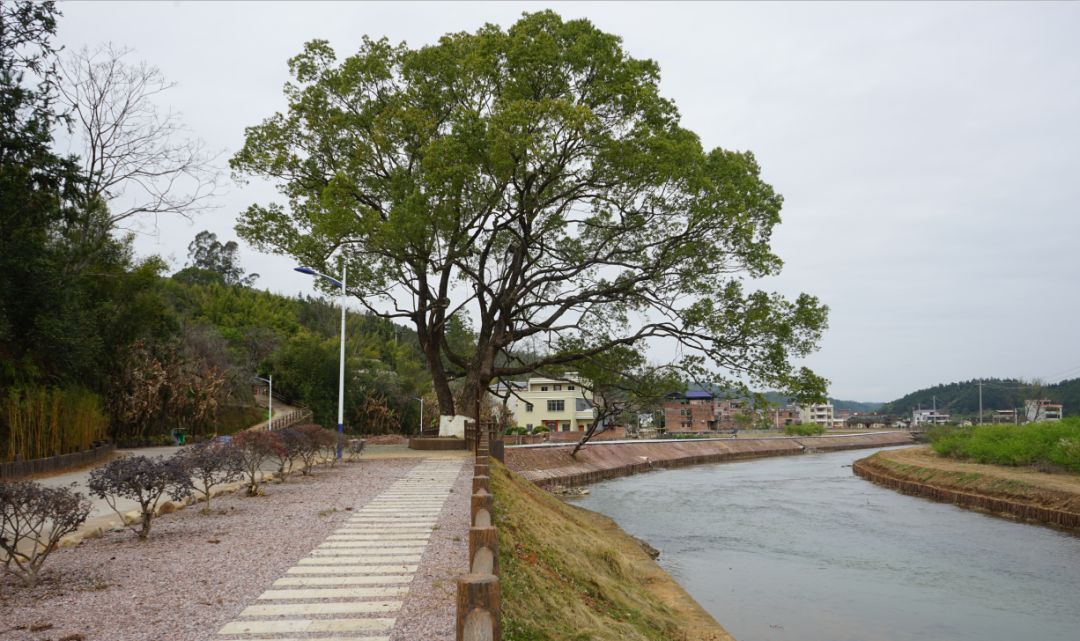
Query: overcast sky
(928, 153)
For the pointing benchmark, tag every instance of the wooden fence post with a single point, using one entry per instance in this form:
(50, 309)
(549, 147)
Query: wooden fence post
(483, 551)
(478, 608)
(480, 508)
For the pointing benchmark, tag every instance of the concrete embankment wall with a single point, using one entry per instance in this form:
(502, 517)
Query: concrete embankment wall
(547, 466)
(880, 475)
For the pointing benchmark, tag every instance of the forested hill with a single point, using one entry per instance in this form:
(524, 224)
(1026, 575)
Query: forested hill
(962, 398)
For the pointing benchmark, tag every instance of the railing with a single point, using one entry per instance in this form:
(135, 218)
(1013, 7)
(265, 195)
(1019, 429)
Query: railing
(288, 419)
(479, 605)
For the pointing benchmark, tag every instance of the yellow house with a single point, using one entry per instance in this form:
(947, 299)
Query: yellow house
(560, 404)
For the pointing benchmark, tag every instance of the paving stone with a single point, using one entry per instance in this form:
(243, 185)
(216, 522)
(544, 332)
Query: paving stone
(307, 625)
(361, 560)
(331, 593)
(352, 570)
(304, 581)
(309, 609)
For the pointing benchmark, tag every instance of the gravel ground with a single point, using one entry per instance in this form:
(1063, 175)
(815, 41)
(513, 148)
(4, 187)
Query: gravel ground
(428, 613)
(198, 572)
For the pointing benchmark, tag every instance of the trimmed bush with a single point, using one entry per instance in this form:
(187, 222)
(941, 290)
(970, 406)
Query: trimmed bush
(253, 448)
(210, 465)
(291, 443)
(143, 480)
(539, 429)
(33, 519)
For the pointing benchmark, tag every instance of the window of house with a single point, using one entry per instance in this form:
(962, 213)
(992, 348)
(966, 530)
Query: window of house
(556, 406)
(543, 388)
(557, 388)
(529, 426)
(566, 426)
(528, 407)
(570, 387)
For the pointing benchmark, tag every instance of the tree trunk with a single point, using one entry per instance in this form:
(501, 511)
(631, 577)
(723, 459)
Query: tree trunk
(147, 518)
(438, 374)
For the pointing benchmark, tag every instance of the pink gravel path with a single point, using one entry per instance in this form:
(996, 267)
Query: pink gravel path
(198, 572)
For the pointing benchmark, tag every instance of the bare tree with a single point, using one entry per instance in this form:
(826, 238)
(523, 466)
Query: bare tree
(137, 158)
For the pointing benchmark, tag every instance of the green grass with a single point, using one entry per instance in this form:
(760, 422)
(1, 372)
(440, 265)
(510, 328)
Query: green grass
(1054, 445)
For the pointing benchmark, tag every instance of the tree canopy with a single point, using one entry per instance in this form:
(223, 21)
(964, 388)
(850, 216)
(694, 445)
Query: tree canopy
(534, 183)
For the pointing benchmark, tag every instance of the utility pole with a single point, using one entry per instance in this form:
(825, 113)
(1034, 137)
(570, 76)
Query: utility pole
(980, 403)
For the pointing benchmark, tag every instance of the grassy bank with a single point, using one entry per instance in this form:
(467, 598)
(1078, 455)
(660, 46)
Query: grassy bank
(571, 574)
(1050, 446)
(1023, 493)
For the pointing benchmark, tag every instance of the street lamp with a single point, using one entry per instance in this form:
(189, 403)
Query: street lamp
(269, 400)
(415, 398)
(341, 370)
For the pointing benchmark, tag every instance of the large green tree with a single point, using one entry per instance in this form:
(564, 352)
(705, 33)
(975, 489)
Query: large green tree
(535, 180)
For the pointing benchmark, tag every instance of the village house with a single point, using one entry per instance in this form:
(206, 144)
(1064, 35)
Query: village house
(559, 404)
(1042, 409)
(694, 411)
(922, 417)
(819, 413)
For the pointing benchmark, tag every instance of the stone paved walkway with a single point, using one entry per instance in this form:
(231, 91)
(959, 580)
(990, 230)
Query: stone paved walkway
(351, 586)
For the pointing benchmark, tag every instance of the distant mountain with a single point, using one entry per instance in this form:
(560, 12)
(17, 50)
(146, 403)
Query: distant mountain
(962, 398)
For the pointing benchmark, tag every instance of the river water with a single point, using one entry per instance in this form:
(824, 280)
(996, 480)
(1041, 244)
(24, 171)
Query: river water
(800, 549)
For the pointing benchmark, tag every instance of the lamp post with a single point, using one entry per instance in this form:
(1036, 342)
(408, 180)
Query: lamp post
(421, 432)
(269, 400)
(341, 367)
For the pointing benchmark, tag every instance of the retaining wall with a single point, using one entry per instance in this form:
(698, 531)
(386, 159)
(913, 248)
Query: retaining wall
(1025, 511)
(17, 469)
(553, 465)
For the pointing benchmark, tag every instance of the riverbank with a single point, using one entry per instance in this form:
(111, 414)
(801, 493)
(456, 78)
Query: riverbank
(1017, 493)
(569, 573)
(547, 466)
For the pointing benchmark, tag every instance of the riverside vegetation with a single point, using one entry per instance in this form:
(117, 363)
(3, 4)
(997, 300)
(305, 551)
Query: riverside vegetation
(1028, 472)
(1048, 446)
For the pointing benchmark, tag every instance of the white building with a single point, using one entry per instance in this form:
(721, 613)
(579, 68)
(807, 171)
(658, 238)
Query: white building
(1042, 410)
(560, 404)
(928, 417)
(821, 414)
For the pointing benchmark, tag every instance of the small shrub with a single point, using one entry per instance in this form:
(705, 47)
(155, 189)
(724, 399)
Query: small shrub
(354, 447)
(33, 519)
(329, 442)
(310, 445)
(253, 448)
(143, 480)
(210, 465)
(539, 429)
(291, 443)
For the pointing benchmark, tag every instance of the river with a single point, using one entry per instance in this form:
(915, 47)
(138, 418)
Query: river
(800, 549)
